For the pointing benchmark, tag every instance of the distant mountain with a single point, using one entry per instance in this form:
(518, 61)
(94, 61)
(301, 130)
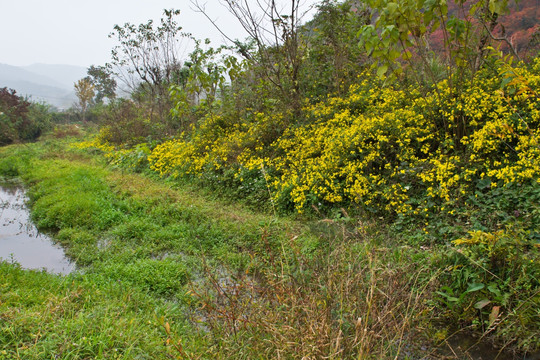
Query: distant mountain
(52, 84)
(58, 97)
(9, 74)
(66, 75)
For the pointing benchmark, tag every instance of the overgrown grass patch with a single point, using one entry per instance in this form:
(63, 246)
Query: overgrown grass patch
(350, 299)
(76, 317)
(107, 217)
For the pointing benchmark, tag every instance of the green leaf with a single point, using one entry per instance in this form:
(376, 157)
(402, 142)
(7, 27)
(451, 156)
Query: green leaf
(407, 55)
(428, 16)
(391, 8)
(435, 25)
(481, 304)
(495, 290)
(393, 54)
(474, 287)
(484, 183)
(448, 297)
(369, 47)
(382, 70)
(498, 6)
(505, 82)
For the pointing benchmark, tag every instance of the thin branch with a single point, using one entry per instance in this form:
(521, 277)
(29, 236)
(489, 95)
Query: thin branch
(202, 10)
(504, 38)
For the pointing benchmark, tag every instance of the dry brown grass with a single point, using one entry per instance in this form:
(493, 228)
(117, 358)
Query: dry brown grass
(62, 131)
(347, 301)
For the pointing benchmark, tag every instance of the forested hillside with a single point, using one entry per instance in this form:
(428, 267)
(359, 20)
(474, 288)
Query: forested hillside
(519, 25)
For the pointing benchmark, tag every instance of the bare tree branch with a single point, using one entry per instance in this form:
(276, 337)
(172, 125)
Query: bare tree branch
(273, 29)
(504, 39)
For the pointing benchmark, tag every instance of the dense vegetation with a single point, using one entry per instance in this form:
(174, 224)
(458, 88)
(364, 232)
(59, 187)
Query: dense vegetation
(21, 120)
(389, 193)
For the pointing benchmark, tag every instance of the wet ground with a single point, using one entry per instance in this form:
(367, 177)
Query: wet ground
(463, 345)
(20, 241)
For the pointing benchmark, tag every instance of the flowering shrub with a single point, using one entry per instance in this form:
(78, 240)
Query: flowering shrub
(387, 150)
(495, 281)
(99, 142)
(445, 162)
(135, 157)
(217, 143)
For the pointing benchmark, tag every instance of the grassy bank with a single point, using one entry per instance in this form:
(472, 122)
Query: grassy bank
(80, 317)
(168, 271)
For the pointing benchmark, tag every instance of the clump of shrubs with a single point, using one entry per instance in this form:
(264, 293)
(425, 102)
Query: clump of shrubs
(21, 120)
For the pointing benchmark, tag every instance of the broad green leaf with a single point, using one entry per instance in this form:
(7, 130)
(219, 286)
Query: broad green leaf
(391, 8)
(428, 16)
(394, 54)
(474, 287)
(382, 70)
(481, 304)
(498, 6)
(369, 47)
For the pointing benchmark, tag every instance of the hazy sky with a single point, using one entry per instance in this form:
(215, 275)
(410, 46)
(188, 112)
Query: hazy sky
(76, 32)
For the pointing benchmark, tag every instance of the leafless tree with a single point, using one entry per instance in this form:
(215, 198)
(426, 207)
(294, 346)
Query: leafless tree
(272, 27)
(148, 58)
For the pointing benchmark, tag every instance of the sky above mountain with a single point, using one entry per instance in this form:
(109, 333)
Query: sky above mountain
(76, 32)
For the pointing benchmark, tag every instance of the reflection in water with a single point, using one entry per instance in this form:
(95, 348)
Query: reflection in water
(20, 241)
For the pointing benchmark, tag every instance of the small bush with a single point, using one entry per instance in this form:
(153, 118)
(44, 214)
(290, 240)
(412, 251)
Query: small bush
(494, 283)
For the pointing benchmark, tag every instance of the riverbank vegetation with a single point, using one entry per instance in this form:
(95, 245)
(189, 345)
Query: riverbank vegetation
(359, 193)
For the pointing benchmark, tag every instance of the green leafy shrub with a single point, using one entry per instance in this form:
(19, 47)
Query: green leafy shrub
(126, 123)
(494, 282)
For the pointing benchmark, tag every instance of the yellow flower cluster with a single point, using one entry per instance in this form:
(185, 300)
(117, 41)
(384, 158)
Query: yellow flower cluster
(133, 157)
(99, 142)
(216, 144)
(378, 147)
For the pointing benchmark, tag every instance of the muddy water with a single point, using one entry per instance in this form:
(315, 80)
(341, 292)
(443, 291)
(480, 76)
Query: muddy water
(462, 345)
(20, 241)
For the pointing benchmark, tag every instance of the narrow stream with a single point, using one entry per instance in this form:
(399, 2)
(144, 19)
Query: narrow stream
(20, 241)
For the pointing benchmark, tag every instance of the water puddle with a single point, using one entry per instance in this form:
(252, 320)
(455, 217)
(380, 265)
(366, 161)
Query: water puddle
(20, 241)
(465, 346)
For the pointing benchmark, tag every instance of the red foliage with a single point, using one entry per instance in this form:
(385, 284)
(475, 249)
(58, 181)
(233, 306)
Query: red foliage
(13, 115)
(519, 26)
(12, 104)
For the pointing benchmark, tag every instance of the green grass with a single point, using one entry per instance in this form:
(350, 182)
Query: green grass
(77, 317)
(169, 270)
(104, 216)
